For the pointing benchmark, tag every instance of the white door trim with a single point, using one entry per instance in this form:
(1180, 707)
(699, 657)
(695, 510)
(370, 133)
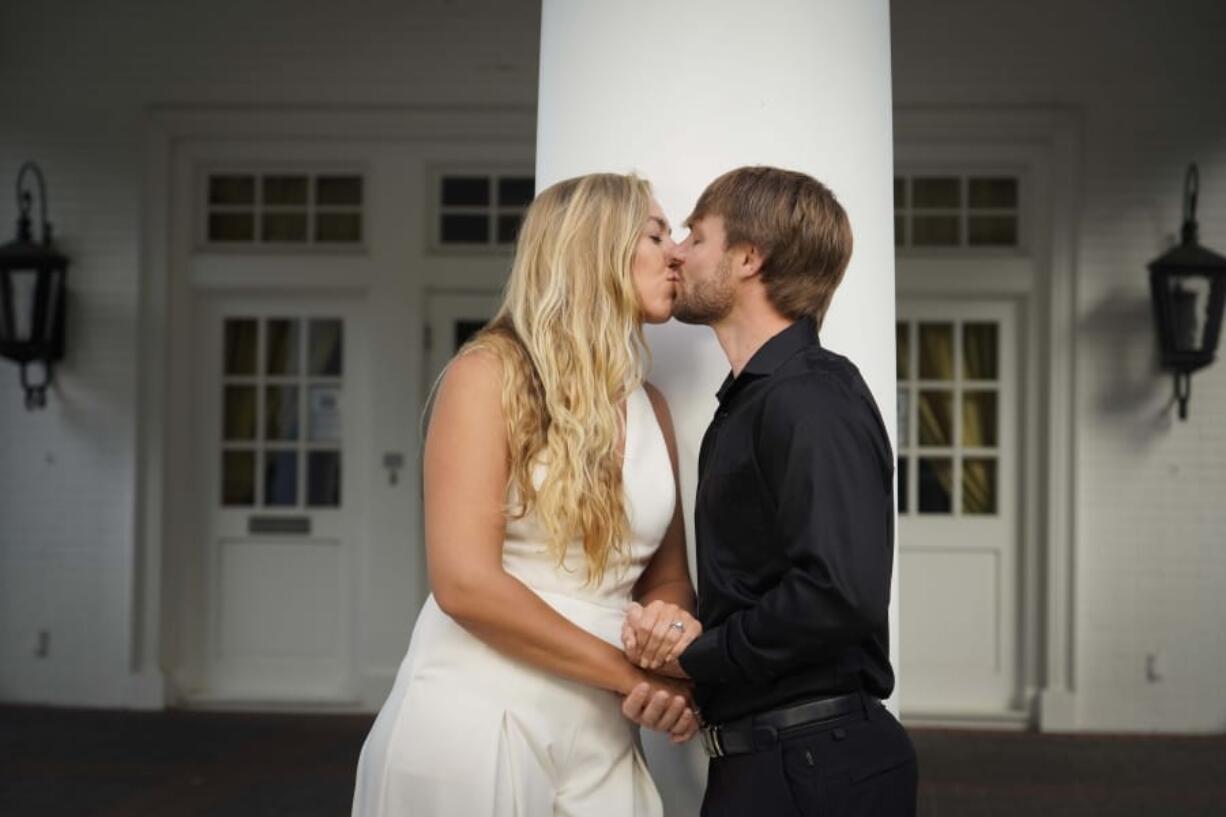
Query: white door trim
(1046, 145)
(166, 128)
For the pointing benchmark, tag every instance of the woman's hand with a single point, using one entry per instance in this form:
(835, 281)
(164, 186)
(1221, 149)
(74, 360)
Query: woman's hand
(665, 705)
(657, 634)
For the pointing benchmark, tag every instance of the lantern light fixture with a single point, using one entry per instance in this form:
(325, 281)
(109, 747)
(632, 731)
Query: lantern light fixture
(1188, 288)
(33, 276)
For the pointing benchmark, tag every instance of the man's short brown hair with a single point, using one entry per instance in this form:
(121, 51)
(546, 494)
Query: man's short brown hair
(796, 224)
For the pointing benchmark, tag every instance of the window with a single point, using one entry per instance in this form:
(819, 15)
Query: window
(281, 412)
(956, 211)
(283, 209)
(480, 210)
(948, 417)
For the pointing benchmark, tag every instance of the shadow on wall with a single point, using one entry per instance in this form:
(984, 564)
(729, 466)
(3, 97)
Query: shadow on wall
(1119, 333)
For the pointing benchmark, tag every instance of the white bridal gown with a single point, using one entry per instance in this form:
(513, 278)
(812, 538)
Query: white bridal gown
(470, 732)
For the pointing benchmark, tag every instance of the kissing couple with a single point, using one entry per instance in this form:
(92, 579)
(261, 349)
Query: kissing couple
(562, 617)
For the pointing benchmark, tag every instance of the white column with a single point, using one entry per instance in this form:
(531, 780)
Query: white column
(681, 91)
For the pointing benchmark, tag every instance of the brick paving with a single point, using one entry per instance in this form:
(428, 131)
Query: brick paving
(90, 763)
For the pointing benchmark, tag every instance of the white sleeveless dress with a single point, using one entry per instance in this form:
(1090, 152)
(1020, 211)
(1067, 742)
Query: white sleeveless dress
(470, 732)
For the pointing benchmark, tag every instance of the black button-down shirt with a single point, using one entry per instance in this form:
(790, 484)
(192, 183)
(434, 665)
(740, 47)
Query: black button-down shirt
(794, 521)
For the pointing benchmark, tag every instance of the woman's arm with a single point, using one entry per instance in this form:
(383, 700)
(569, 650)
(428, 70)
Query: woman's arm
(664, 590)
(466, 476)
(667, 577)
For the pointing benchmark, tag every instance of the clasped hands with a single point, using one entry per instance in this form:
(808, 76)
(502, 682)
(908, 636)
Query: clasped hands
(663, 700)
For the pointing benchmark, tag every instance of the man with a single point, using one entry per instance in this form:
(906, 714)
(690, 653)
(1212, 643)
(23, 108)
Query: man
(794, 520)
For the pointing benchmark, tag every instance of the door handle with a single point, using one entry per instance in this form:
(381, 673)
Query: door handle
(393, 461)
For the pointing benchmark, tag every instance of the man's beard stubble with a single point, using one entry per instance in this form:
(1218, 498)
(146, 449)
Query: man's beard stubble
(709, 301)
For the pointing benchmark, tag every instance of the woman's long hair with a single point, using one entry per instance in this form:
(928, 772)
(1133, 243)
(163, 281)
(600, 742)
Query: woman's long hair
(569, 337)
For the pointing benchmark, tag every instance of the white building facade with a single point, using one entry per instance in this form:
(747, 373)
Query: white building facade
(281, 221)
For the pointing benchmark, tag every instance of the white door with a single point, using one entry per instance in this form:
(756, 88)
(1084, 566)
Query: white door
(282, 395)
(451, 319)
(958, 476)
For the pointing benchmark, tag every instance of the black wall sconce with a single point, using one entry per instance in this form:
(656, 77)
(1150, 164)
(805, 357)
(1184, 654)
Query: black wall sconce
(1188, 285)
(32, 295)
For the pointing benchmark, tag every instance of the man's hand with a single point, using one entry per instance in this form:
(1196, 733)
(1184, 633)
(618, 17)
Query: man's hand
(651, 639)
(664, 706)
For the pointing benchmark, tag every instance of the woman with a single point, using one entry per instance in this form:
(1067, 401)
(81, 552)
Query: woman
(550, 507)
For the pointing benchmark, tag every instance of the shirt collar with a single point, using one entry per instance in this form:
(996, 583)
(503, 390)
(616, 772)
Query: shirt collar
(800, 335)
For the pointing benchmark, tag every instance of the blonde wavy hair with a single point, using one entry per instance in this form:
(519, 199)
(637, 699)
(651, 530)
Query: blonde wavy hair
(570, 340)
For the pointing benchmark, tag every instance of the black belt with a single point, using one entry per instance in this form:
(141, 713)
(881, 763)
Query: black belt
(762, 730)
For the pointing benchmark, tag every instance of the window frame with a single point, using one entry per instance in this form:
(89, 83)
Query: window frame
(964, 175)
(434, 208)
(202, 208)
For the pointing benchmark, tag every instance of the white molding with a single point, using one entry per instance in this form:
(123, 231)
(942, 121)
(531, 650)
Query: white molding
(985, 721)
(167, 129)
(1047, 141)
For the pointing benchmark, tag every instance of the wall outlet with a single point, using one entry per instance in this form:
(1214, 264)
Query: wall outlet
(1155, 667)
(42, 644)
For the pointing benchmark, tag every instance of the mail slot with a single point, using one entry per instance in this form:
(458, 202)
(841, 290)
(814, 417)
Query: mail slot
(279, 524)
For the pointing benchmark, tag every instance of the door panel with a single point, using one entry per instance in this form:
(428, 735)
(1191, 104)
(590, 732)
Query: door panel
(281, 400)
(958, 508)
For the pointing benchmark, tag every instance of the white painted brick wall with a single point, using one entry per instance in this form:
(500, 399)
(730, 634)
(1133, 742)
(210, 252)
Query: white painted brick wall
(75, 79)
(1150, 508)
(75, 82)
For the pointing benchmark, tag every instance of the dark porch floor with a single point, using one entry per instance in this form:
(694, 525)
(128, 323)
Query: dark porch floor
(85, 763)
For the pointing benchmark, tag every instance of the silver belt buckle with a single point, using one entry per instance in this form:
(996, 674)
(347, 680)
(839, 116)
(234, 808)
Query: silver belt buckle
(711, 743)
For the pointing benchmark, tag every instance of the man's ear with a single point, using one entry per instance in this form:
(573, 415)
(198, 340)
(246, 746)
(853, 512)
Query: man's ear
(747, 260)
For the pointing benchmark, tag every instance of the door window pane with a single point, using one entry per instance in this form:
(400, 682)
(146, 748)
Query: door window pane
(465, 329)
(280, 478)
(903, 343)
(936, 422)
(324, 414)
(242, 337)
(978, 486)
(936, 351)
(936, 477)
(325, 348)
(979, 351)
(902, 484)
(280, 412)
(238, 477)
(324, 479)
(282, 357)
(904, 417)
(979, 419)
(239, 421)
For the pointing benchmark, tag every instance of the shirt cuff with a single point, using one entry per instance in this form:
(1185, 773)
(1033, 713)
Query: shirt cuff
(704, 659)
